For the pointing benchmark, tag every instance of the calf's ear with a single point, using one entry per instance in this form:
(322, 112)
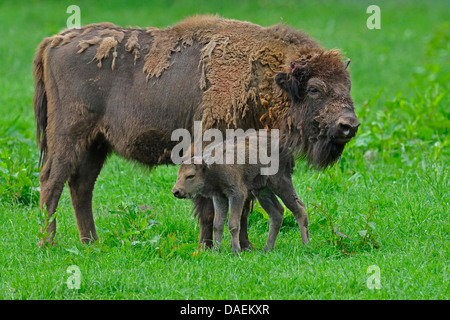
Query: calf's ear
(205, 165)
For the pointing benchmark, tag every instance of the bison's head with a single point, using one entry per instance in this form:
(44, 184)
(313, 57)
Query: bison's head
(190, 181)
(322, 118)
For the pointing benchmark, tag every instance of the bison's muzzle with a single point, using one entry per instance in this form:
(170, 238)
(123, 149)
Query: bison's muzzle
(345, 128)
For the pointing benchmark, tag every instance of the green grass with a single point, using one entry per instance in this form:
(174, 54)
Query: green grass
(386, 203)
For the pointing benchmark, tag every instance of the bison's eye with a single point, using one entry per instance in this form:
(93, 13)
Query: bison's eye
(191, 176)
(313, 91)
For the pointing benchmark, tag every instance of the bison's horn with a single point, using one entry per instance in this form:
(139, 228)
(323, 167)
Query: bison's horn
(346, 63)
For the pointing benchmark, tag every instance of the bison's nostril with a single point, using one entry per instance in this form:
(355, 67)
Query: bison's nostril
(344, 128)
(347, 128)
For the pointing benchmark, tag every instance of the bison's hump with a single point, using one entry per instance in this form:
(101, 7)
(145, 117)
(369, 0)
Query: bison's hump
(238, 61)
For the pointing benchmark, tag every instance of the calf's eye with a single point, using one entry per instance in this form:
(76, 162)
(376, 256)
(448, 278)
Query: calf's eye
(191, 176)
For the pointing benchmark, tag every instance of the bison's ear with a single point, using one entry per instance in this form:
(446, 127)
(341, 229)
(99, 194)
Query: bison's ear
(293, 82)
(282, 80)
(289, 83)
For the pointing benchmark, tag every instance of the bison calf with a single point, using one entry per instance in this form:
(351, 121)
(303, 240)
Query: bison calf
(230, 184)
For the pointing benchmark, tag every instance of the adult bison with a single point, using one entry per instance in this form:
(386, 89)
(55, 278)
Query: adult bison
(102, 88)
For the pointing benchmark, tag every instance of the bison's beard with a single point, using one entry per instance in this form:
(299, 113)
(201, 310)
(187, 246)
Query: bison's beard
(318, 150)
(323, 153)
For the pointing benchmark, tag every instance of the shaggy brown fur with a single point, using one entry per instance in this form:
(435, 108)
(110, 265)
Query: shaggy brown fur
(133, 45)
(107, 44)
(205, 68)
(238, 62)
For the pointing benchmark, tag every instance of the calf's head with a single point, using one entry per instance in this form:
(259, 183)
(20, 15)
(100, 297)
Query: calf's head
(321, 116)
(190, 181)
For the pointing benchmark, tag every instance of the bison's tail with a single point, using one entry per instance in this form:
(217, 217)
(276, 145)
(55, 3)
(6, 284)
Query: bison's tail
(40, 99)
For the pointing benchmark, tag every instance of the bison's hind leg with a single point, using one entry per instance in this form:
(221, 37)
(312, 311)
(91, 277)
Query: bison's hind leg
(81, 185)
(53, 176)
(70, 158)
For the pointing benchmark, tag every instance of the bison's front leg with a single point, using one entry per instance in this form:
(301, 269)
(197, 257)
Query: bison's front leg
(204, 210)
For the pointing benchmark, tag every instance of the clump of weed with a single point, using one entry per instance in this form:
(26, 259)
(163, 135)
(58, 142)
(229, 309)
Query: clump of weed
(169, 248)
(131, 226)
(44, 221)
(19, 170)
(136, 226)
(342, 241)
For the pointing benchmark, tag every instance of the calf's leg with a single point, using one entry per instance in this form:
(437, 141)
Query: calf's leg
(285, 190)
(220, 215)
(275, 210)
(243, 233)
(204, 210)
(236, 204)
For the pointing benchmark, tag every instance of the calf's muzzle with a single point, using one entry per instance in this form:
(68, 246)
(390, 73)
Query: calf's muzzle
(178, 193)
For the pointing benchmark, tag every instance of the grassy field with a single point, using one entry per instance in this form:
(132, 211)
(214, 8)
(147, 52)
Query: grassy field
(385, 204)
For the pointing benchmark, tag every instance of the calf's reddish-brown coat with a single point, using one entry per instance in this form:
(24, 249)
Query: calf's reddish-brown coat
(230, 184)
